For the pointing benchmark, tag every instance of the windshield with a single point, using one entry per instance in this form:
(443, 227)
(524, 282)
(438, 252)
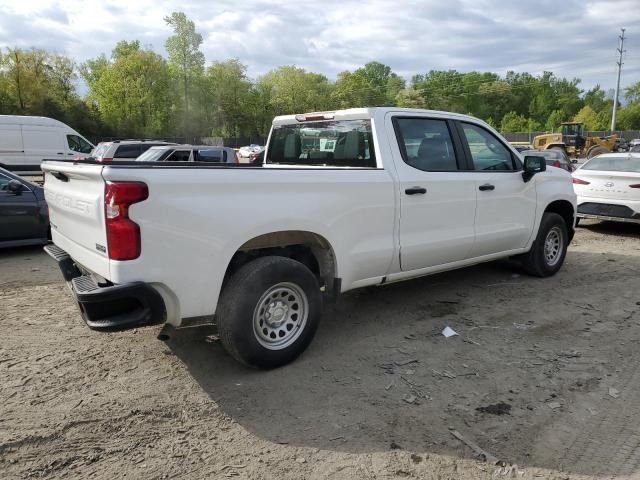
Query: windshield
(100, 150)
(154, 155)
(336, 143)
(613, 164)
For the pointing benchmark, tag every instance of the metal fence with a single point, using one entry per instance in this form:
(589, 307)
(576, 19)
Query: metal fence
(529, 136)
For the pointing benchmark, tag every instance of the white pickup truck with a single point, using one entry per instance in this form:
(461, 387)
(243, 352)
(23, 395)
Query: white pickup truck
(343, 200)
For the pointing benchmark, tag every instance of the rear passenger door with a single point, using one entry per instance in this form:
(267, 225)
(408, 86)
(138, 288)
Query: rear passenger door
(506, 205)
(437, 194)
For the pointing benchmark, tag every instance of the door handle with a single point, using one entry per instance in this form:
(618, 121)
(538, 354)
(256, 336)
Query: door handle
(59, 153)
(486, 186)
(415, 191)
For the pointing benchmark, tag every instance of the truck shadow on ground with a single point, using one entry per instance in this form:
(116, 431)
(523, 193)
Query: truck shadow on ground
(526, 378)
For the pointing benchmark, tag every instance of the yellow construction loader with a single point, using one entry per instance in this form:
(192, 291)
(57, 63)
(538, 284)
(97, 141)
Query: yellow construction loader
(572, 140)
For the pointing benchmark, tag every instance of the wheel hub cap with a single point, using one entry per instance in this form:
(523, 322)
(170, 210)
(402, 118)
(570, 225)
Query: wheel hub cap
(280, 316)
(553, 246)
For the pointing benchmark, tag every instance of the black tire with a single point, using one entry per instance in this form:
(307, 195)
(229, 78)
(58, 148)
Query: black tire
(597, 150)
(535, 262)
(577, 221)
(238, 329)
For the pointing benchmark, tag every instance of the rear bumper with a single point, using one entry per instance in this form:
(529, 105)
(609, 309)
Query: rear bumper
(606, 209)
(110, 307)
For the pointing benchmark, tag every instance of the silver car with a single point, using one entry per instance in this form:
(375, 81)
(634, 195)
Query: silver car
(189, 153)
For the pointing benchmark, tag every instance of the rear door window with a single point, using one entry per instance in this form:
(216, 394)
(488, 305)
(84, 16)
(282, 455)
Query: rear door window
(211, 155)
(127, 151)
(179, 156)
(335, 143)
(426, 144)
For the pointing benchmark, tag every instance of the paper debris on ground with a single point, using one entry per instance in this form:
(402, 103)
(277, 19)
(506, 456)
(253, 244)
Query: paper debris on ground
(448, 332)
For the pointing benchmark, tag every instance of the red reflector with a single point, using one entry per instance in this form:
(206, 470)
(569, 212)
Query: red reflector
(123, 234)
(635, 185)
(104, 159)
(577, 181)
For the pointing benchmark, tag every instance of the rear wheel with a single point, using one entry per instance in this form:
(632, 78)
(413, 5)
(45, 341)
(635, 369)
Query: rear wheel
(549, 248)
(598, 150)
(269, 312)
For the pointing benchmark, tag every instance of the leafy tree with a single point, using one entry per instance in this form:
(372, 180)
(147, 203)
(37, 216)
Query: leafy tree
(132, 91)
(555, 119)
(410, 98)
(186, 61)
(229, 99)
(513, 122)
(632, 93)
(589, 117)
(293, 90)
(629, 117)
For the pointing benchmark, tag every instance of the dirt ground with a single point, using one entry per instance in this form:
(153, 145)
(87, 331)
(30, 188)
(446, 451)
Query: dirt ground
(543, 376)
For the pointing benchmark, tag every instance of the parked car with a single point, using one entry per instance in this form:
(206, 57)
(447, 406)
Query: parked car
(554, 158)
(245, 152)
(189, 153)
(621, 145)
(123, 150)
(263, 248)
(608, 187)
(24, 217)
(634, 145)
(25, 141)
(521, 146)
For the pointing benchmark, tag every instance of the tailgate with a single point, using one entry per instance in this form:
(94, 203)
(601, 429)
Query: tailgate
(75, 196)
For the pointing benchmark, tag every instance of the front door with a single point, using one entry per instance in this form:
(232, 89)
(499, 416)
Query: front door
(506, 204)
(19, 213)
(437, 197)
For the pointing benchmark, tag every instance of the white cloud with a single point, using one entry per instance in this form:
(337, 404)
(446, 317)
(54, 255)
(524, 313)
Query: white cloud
(574, 38)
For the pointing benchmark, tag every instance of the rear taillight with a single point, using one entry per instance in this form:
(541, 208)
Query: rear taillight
(104, 159)
(635, 185)
(557, 164)
(123, 234)
(577, 181)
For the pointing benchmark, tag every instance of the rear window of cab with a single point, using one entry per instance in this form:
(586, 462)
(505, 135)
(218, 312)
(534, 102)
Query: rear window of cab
(334, 143)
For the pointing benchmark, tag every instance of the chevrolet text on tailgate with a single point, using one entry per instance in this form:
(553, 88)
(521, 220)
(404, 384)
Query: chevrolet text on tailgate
(343, 200)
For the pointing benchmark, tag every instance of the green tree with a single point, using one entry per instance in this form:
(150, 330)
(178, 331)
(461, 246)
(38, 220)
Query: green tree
(632, 93)
(132, 91)
(629, 116)
(229, 98)
(589, 117)
(513, 122)
(555, 119)
(186, 61)
(410, 98)
(294, 90)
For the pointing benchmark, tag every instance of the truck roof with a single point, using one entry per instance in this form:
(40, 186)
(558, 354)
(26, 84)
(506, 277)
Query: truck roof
(369, 112)
(30, 120)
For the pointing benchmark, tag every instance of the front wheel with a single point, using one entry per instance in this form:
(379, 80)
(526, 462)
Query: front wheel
(549, 248)
(269, 312)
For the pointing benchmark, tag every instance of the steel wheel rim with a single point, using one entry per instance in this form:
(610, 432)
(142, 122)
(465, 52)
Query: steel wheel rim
(280, 316)
(553, 246)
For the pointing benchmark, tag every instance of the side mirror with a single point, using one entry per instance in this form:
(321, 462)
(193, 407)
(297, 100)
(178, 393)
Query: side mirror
(15, 187)
(532, 165)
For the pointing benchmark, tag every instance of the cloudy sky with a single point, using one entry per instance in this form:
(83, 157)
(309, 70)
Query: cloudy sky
(573, 38)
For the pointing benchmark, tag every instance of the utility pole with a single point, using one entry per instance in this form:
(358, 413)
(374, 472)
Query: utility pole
(620, 51)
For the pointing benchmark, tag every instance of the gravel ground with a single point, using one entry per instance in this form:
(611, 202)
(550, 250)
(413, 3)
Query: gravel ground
(543, 377)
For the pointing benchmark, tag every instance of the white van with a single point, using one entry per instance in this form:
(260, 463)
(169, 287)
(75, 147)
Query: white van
(26, 141)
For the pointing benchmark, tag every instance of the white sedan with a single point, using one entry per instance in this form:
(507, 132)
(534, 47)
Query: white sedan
(608, 187)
